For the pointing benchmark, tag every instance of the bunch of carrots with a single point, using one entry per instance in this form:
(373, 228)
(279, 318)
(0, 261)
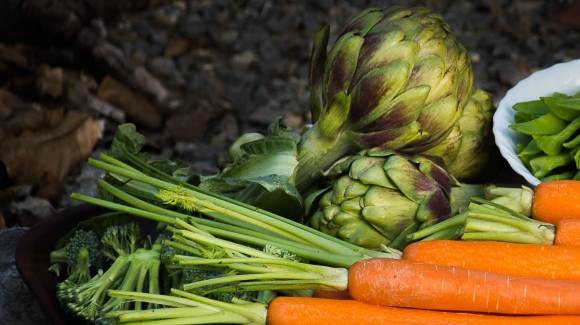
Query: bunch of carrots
(462, 282)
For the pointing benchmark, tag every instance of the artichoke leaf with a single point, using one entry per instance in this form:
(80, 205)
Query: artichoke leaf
(342, 63)
(409, 180)
(364, 21)
(388, 211)
(316, 71)
(392, 138)
(433, 208)
(427, 71)
(370, 172)
(439, 117)
(377, 89)
(383, 51)
(396, 112)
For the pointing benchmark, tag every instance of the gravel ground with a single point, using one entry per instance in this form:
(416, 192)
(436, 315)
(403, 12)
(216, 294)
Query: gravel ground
(233, 66)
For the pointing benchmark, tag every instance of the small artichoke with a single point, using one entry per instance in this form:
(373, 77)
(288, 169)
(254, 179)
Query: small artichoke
(395, 78)
(467, 149)
(377, 197)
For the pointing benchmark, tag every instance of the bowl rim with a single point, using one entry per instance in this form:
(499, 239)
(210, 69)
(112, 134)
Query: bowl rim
(562, 77)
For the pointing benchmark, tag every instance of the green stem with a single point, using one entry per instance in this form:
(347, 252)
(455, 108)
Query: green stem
(303, 251)
(318, 149)
(453, 222)
(161, 313)
(254, 313)
(159, 299)
(509, 229)
(122, 208)
(205, 311)
(451, 233)
(164, 176)
(252, 216)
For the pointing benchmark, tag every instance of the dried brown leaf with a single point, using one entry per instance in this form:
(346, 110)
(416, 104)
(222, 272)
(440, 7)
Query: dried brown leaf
(54, 151)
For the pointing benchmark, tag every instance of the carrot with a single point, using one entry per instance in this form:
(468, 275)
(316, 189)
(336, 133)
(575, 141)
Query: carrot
(405, 283)
(567, 232)
(527, 260)
(331, 294)
(554, 200)
(318, 311)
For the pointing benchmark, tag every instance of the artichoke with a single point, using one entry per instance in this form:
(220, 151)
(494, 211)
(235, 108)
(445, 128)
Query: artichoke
(467, 149)
(395, 78)
(377, 197)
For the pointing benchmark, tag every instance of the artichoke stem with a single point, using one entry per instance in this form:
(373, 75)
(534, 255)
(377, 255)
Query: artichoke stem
(316, 153)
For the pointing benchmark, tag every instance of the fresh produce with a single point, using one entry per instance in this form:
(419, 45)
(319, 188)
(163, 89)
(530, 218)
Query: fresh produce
(567, 232)
(405, 283)
(525, 260)
(376, 198)
(466, 151)
(88, 300)
(80, 240)
(102, 252)
(260, 171)
(556, 200)
(493, 221)
(550, 126)
(164, 194)
(509, 202)
(395, 78)
(396, 122)
(310, 311)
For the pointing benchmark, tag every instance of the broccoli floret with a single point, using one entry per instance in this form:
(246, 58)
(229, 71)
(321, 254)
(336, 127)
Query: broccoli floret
(137, 272)
(120, 240)
(69, 254)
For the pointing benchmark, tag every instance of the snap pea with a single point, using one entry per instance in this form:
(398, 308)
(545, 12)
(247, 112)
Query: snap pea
(552, 124)
(545, 124)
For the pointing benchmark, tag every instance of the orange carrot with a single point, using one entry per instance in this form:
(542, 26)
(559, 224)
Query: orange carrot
(404, 283)
(331, 294)
(527, 260)
(318, 311)
(567, 232)
(555, 200)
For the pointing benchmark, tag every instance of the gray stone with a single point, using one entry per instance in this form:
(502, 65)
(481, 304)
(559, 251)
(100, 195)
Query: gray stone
(17, 303)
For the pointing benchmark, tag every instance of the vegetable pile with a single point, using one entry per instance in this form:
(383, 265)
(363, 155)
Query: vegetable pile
(365, 217)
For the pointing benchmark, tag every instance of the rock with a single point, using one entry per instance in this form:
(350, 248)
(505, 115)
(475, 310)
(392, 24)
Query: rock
(137, 108)
(17, 303)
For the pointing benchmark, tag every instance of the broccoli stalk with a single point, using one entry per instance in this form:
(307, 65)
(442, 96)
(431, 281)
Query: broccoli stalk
(248, 268)
(186, 308)
(81, 273)
(138, 272)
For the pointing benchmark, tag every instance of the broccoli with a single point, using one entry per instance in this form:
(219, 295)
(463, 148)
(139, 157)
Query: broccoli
(138, 271)
(69, 253)
(81, 272)
(120, 240)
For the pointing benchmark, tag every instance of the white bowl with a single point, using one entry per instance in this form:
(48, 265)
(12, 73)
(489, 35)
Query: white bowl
(562, 77)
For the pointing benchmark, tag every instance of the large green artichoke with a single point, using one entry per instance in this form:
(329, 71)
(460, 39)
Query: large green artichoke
(376, 198)
(395, 78)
